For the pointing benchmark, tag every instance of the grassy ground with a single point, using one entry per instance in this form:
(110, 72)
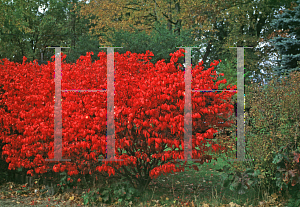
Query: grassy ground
(188, 188)
(199, 188)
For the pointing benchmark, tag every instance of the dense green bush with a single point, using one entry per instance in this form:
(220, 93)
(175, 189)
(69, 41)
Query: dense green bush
(288, 173)
(271, 124)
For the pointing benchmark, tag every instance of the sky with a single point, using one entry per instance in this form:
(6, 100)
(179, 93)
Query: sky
(272, 56)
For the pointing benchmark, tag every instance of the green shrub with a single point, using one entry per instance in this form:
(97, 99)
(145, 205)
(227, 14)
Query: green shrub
(288, 173)
(121, 192)
(272, 123)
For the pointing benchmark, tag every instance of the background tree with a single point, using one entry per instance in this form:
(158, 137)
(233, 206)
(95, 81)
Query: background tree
(168, 13)
(84, 43)
(70, 28)
(242, 26)
(75, 33)
(288, 46)
(26, 32)
(205, 18)
(208, 17)
(161, 42)
(143, 15)
(15, 19)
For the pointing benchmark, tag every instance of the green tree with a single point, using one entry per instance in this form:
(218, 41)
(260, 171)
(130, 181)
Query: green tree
(143, 14)
(288, 47)
(230, 30)
(61, 26)
(85, 43)
(161, 42)
(245, 21)
(26, 32)
(14, 29)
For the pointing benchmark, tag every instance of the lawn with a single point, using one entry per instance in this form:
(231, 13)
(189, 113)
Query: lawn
(198, 188)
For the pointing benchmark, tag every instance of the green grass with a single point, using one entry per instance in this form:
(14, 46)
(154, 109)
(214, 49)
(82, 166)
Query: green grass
(199, 187)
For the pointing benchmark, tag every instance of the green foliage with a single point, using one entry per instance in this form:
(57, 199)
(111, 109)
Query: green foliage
(65, 183)
(228, 32)
(161, 42)
(287, 47)
(294, 192)
(122, 192)
(230, 74)
(91, 197)
(237, 181)
(25, 31)
(288, 172)
(272, 122)
(229, 69)
(4, 175)
(85, 43)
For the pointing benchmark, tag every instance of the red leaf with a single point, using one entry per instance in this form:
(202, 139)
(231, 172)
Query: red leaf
(155, 104)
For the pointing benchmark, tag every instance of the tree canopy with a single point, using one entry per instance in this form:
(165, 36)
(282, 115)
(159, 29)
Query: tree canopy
(25, 31)
(288, 46)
